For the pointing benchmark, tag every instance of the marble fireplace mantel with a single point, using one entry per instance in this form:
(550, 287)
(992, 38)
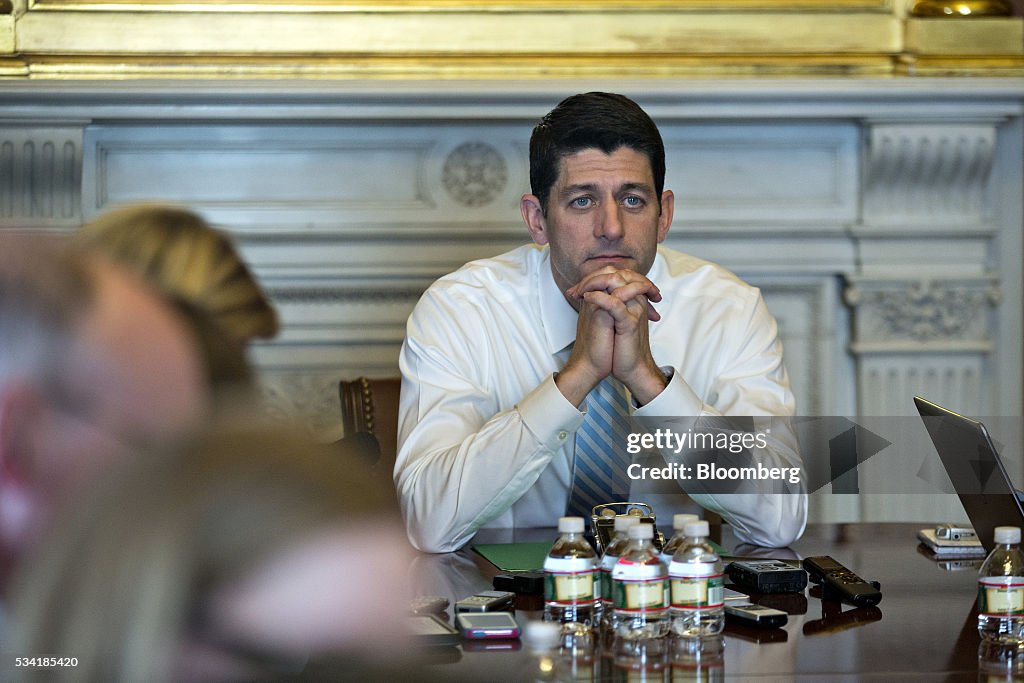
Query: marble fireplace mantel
(882, 218)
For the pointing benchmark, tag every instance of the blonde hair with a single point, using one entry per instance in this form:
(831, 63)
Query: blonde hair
(181, 254)
(127, 569)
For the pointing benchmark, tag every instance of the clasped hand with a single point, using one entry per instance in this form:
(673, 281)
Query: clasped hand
(612, 335)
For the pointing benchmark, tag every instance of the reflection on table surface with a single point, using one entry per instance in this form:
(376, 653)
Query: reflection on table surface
(925, 624)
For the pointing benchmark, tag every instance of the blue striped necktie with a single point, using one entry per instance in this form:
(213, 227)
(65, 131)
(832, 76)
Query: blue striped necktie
(600, 460)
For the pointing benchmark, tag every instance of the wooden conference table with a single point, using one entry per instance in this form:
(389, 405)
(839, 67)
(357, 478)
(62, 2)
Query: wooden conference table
(925, 625)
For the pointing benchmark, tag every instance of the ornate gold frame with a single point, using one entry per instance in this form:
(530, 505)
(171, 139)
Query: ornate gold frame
(469, 39)
(502, 6)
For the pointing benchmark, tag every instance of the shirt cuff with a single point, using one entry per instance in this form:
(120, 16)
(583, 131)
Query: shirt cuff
(675, 400)
(548, 415)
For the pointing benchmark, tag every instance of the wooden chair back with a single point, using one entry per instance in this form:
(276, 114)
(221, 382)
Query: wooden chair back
(371, 406)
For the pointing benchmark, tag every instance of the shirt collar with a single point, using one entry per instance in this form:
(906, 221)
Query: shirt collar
(557, 316)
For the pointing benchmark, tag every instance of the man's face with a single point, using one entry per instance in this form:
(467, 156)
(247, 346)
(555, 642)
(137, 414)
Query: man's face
(133, 378)
(137, 381)
(602, 211)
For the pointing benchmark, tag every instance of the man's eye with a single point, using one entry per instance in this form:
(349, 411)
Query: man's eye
(633, 201)
(580, 202)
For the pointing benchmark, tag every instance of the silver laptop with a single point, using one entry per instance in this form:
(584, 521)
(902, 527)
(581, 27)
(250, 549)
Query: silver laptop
(975, 468)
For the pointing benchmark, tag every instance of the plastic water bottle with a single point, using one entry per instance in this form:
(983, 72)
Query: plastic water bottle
(570, 570)
(697, 586)
(542, 639)
(676, 542)
(639, 589)
(611, 555)
(556, 657)
(1001, 590)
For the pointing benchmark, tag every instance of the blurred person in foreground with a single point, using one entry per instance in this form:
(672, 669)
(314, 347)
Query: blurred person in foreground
(93, 366)
(178, 252)
(244, 554)
(199, 267)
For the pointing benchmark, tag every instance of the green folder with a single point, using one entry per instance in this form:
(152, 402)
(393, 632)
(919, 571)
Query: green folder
(515, 557)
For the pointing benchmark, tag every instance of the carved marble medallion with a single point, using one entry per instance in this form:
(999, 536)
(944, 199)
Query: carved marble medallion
(474, 174)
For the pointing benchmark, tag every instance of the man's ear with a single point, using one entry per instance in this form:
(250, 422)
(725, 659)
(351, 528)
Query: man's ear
(533, 216)
(668, 205)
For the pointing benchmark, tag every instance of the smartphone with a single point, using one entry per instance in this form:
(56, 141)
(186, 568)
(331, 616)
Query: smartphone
(431, 630)
(488, 625)
(428, 604)
(953, 532)
(756, 615)
(730, 595)
(486, 601)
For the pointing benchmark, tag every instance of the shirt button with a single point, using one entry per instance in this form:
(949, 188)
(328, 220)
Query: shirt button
(562, 435)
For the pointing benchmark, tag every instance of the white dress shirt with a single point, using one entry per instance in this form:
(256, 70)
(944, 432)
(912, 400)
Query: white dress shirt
(486, 438)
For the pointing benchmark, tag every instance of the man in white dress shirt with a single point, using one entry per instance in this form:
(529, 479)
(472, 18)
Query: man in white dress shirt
(501, 355)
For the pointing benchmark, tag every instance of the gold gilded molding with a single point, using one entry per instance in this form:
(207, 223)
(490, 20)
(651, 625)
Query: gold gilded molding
(505, 39)
(457, 35)
(958, 9)
(982, 66)
(979, 36)
(7, 45)
(503, 6)
(11, 67)
(424, 66)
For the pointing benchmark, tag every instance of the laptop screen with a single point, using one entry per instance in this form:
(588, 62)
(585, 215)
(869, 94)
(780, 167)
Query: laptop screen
(975, 469)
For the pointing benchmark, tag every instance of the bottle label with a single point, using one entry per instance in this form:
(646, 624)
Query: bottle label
(698, 592)
(605, 577)
(641, 595)
(639, 586)
(1001, 596)
(569, 580)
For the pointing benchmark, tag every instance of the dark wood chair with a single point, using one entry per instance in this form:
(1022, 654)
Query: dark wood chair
(370, 406)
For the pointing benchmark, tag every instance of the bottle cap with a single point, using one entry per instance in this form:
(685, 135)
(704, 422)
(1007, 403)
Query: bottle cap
(698, 528)
(623, 522)
(541, 636)
(1007, 534)
(570, 525)
(678, 521)
(642, 531)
